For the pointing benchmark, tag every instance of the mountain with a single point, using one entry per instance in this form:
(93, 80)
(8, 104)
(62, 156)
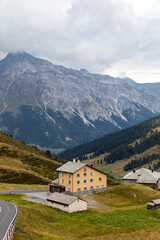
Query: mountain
(20, 163)
(53, 106)
(122, 151)
(153, 87)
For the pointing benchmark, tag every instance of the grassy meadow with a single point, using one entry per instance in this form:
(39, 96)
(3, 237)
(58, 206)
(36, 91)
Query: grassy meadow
(122, 214)
(12, 187)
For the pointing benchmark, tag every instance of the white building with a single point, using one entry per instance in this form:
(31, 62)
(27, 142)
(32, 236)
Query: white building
(66, 203)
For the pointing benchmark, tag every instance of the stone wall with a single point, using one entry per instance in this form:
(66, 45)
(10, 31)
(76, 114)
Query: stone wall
(87, 192)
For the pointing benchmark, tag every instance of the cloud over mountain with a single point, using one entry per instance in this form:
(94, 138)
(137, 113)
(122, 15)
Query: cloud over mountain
(80, 33)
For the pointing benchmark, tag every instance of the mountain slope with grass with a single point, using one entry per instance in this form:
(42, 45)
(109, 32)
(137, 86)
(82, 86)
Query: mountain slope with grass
(118, 213)
(20, 163)
(120, 152)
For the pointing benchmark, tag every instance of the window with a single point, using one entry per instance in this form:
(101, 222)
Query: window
(85, 188)
(78, 182)
(85, 174)
(91, 173)
(85, 180)
(78, 174)
(61, 174)
(100, 179)
(97, 186)
(85, 169)
(69, 182)
(78, 189)
(102, 185)
(91, 187)
(62, 180)
(91, 180)
(69, 189)
(69, 175)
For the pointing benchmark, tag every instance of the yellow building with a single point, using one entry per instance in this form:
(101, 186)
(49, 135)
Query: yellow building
(78, 177)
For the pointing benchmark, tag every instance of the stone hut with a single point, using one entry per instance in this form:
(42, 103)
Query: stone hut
(143, 176)
(154, 204)
(66, 202)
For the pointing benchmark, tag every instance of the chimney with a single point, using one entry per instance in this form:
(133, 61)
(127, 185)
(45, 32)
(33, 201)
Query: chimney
(78, 161)
(74, 160)
(152, 170)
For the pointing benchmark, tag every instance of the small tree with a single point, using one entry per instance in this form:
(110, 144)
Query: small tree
(48, 153)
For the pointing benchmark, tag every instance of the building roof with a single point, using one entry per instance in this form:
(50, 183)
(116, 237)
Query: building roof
(154, 202)
(143, 175)
(71, 167)
(62, 198)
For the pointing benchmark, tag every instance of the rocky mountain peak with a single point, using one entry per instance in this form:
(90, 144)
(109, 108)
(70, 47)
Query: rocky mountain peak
(18, 56)
(83, 70)
(67, 106)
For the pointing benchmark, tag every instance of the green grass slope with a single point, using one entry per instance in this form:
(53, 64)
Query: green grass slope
(127, 195)
(20, 163)
(122, 216)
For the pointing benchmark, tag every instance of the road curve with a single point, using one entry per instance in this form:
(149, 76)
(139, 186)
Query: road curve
(8, 213)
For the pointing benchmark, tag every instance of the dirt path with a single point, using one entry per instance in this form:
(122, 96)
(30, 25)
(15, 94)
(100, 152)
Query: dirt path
(93, 204)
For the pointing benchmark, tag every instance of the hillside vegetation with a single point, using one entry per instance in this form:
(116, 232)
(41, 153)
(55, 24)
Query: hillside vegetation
(119, 213)
(131, 148)
(20, 163)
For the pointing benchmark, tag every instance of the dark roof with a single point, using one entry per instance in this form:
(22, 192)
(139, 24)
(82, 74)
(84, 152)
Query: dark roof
(56, 185)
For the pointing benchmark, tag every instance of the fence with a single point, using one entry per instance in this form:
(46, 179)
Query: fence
(10, 230)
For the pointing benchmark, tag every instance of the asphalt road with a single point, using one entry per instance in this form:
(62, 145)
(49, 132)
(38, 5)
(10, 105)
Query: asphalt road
(38, 196)
(8, 212)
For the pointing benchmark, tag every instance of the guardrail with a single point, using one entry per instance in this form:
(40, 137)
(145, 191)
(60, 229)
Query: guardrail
(11, 227)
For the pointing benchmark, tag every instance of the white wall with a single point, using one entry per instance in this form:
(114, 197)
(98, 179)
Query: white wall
(78, 205)
(58, 206)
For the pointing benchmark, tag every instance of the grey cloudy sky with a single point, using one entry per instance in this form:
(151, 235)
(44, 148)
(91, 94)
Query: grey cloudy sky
(116, 37)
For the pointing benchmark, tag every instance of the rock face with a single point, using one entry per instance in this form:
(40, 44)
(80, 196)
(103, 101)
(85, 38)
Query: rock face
(53, 106)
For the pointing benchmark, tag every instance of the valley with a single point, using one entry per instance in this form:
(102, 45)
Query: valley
(55, 107)
(98, 127)
(120, 152)
(118, 213)
(79, 120)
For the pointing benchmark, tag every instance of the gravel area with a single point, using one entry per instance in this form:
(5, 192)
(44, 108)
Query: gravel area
(39, 197)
